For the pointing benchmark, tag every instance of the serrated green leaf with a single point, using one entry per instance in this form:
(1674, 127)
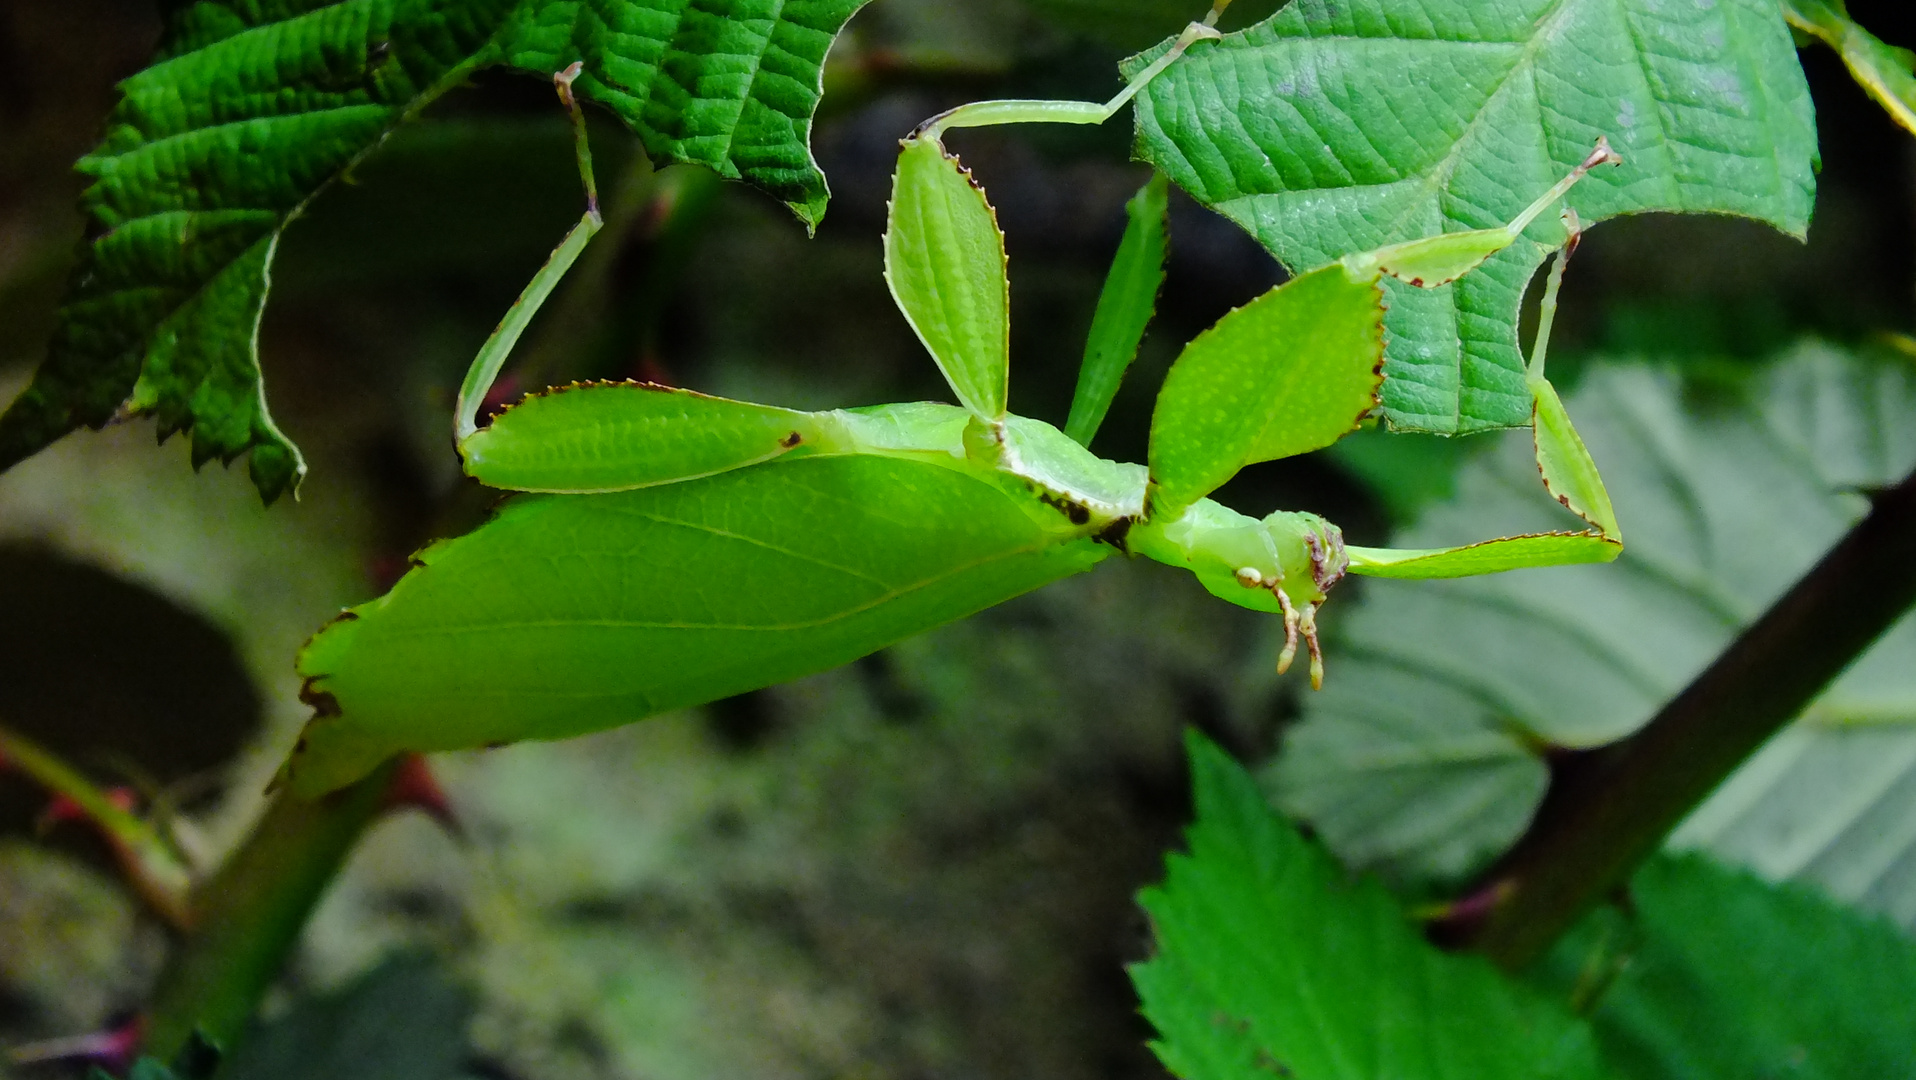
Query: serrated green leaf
(576, 613)
(1422, 757)
(1269, 962)
(1343, 125)
(252, 108)
(728, 84)
(945, 263)
(1720, 976)
(1888, 73)
(1290, 372)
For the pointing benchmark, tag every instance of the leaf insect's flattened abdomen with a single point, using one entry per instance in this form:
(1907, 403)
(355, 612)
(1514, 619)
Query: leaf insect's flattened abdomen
(697, 590)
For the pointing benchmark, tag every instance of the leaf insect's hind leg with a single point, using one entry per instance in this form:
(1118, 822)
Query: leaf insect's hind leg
(492, 355)
(1020, 111)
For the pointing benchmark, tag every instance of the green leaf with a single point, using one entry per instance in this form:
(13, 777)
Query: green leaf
(1885, 71)
(252, 108)
(403, 1020)
(1422, 757)
(728, 84)
(1136, 24)
(1344, 125)
(620, 436)
(575, 613)
(1125, 307)
(945, 263)
(1724, 977)
(1290, 372)
(1269, 962)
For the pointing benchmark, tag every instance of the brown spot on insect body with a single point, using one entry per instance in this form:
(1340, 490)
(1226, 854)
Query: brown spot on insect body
(1115, 533)
(324, 704)
(791, 440)
(1075, 512)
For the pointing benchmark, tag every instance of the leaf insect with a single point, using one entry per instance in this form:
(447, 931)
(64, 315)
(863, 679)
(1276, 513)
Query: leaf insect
(670, 548)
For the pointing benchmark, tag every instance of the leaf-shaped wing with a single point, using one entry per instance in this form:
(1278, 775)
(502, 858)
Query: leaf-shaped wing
(1344, 125)
(620, 436)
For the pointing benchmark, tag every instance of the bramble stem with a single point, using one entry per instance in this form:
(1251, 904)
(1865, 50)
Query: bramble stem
(157, 870)
(251, 912)
(1609, 809)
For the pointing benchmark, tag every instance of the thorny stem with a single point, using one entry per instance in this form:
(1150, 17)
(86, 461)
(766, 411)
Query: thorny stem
(158, 871)
(1609, 809)
(251, 912)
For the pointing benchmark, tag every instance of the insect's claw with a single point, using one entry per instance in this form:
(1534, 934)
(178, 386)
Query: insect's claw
(1309, 621)
(1289, 652)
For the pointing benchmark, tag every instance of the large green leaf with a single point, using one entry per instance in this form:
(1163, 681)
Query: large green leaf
(1270, 963)
(252, 108)
(1342, 125)
(1719, 976)
(1422, 756)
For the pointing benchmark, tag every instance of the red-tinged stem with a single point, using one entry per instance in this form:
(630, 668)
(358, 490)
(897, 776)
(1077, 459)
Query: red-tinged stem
(249, 914)
(1607, 810)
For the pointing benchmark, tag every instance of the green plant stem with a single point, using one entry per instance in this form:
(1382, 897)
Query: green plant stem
(1609, 809)
(251, 912)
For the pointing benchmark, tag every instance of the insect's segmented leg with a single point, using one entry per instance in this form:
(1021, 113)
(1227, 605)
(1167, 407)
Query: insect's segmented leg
(1309, 626)
(1289, 652)
(1019, 111)
(492, 355)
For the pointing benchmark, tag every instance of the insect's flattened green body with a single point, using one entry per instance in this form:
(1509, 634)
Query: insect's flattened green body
(684, 548)
(570, 614)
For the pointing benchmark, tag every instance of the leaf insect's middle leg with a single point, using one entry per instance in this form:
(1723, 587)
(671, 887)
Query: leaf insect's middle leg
(492, 355)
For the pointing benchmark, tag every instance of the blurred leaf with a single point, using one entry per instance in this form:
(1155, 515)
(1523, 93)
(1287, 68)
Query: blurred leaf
(253, 108)
(1421, 756)
(404, 1020)
(1723, 977)
(1270, 963)
(1344, 125)
(1885, 71)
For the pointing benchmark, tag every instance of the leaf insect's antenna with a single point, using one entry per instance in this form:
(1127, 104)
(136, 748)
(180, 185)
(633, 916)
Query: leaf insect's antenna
(1021, 111)
(492, 355)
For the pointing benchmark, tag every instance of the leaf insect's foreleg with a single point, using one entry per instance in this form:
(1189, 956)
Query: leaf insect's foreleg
(1021, 111)
(492, 355)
